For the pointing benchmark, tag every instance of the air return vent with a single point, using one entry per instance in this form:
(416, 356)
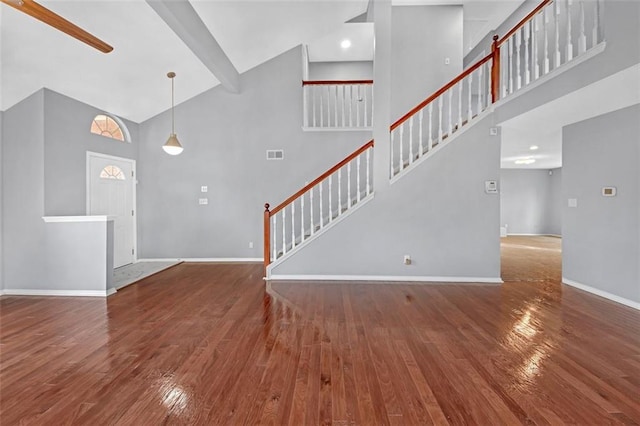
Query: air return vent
(275, 154)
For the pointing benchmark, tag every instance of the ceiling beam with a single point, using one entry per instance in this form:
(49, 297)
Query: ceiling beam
(182, 18)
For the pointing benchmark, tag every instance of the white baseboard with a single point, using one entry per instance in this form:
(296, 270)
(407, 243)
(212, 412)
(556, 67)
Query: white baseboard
(207, 259)
(379, 278)
(66, 293)
(602, 293)
(533, 235)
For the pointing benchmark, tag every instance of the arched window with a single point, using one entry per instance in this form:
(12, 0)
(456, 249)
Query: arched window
(110, 127)
(112, 172)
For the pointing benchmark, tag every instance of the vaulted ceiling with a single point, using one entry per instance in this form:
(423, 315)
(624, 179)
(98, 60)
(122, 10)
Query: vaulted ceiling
(131, 81)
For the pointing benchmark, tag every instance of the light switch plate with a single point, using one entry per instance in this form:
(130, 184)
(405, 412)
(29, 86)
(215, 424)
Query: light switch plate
(203, 201)
(573, 202)
(204, 188)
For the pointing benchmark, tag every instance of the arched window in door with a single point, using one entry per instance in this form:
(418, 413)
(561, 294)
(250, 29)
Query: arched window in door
(111, 127)
(112, 172)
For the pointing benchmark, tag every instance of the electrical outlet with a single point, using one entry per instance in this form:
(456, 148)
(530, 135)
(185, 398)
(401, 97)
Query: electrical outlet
(407, 259)
(447, 61)
(250, 244)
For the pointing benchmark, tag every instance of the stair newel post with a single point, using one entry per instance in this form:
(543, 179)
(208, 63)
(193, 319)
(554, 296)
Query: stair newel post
(495, 70)
(267, 238)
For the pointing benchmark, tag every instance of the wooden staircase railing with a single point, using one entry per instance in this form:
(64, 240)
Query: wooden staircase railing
(322, 201)
(551, 35)
(337, 104)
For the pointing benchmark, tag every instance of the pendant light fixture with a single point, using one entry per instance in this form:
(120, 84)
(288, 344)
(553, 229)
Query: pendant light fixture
(172, 146)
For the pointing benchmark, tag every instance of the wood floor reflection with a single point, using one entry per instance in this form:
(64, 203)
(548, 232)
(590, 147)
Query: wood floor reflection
(205, 344)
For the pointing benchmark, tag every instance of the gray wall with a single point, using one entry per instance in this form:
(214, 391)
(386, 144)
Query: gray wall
(438, 213)
(1, 211)
(355, 70)
(225, 137)
(421, 38)
(23, 194)
(67, 140)
(530, 201)
(601, 235)
(554, 207)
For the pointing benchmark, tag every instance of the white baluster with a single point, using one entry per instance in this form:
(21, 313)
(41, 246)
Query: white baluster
(321, 89)
(420, 145)
(596, 24)
(344, 103)
(368, 165)
(504, 69)
(350, 106)
(393, 146)
(430, 136)
(557, 58)
(401, 147)
(313, 224)
(335, 113)
(582, 38)
(330, 198)
(469, 107)
(411, 140)
(450, 91)
(366, 106)
(460, 85)
(569, 41)
(510, 62)
(284, 234)
(293, 224)
(314, 91)
(274, 253)
(339, 192)
(322, 205)
(527, 52)
(480, 87)
(358, 103)
(358, 176)
(349, 184)
(302, 218)
(518, 40)
(545, 28)
(440, 119)
(534, 45)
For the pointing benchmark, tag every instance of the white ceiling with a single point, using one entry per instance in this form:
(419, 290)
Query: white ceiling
(131, 81)
(520, 133)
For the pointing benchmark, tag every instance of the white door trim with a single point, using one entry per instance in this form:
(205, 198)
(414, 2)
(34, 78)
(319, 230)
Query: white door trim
(90, 155)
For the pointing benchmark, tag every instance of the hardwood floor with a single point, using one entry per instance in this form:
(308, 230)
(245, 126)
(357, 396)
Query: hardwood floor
(207, 344)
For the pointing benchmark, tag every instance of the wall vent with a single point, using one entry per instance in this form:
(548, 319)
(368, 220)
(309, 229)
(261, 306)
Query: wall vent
(275, 154)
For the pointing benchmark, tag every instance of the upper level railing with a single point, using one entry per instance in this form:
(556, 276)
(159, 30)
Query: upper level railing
(337, 104)
(551, 35)
(318, 204)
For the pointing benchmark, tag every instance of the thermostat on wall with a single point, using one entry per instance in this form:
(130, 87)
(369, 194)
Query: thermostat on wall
(491, 187)
(609, 191)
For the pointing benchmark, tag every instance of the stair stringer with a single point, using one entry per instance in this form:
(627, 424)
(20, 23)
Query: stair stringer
(439, 215)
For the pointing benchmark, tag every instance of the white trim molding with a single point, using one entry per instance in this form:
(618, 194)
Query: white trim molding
(387, 278)
(602, 293)
(207, 259)
(65, 293)
(73, 219)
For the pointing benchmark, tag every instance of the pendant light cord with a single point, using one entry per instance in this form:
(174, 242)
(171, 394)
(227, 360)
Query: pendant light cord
(173, 130)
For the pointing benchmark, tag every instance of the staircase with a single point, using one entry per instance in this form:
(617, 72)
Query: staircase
(552, 35)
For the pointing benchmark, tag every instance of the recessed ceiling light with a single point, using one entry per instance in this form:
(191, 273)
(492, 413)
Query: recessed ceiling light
(525, 161)
(346, 43)
(534, 147)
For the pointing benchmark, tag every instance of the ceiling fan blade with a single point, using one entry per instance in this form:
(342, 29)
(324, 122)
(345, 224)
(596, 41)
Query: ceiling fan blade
(45, 15)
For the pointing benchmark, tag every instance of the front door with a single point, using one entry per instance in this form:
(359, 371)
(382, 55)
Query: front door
(110, 191)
